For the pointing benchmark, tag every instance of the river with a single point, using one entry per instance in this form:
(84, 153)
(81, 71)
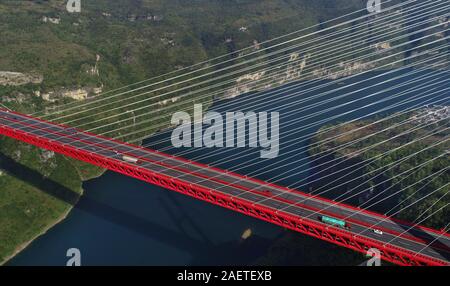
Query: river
(123, 221)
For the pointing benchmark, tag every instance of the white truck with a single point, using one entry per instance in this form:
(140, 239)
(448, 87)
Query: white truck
(130, 159)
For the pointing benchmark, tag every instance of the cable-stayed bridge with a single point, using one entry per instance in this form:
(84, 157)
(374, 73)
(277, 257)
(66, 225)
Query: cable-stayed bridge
(288, 208)
(407, 45)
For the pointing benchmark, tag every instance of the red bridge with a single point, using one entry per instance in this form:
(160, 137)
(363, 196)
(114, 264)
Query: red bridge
(398, 242)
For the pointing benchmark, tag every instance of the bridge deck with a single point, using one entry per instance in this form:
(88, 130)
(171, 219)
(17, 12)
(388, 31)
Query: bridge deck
(397, 233)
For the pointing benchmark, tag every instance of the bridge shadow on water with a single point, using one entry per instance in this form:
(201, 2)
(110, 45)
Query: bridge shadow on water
(201, 248)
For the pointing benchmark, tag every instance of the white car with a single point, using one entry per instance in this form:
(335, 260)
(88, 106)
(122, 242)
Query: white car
(377, 231)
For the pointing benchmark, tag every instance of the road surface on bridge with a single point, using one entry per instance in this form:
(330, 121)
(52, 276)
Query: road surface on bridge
(402, 235)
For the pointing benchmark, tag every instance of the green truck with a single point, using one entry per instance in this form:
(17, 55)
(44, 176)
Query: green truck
(334, 222)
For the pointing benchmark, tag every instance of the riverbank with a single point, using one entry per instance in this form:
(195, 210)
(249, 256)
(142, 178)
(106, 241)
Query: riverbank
(419, 155)
(83, 178)
(165, 228)
(24, 245)
(93, 173)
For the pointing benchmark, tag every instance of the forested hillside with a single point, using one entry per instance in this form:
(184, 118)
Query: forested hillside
(50, 57)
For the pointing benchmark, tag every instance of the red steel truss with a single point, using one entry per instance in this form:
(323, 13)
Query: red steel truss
(334, 235)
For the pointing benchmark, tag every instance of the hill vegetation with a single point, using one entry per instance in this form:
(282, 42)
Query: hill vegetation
(112, 44)
(108, 45)
(404, 158)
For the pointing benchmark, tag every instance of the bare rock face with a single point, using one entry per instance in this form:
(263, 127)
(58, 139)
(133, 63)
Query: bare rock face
(52, 20)
(14, 96)
(17, 78)
(259, 81)
(431, 114)
(75, 94)
(94, 70)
